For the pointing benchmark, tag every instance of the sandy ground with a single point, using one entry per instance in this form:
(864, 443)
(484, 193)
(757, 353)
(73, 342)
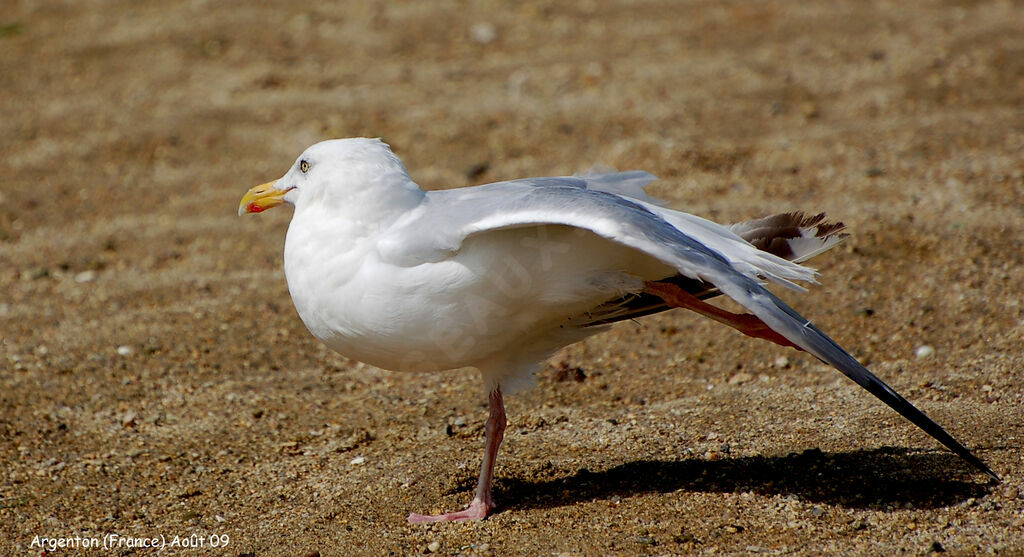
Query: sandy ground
(157, 382)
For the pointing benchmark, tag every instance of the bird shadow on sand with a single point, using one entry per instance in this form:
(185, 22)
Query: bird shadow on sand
(869, 479)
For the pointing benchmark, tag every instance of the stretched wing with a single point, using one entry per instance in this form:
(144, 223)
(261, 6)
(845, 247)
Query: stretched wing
(438, 227)
(614, 204)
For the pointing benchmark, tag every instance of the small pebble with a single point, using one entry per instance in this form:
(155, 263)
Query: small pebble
(782, 362)
(483, 32)
(128, 419)
(684, 537)
(1010, 492)
(433, 547)
(924, 351)
(739, 378)
(817, 512)
(85, 276)
(357, 460)
(125, 350)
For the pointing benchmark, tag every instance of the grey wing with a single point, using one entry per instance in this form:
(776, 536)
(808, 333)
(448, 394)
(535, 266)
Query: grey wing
(631, 184)
(448, 217)
(793, 236)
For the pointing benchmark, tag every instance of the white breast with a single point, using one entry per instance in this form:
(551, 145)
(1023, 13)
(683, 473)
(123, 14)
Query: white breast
(504, 293)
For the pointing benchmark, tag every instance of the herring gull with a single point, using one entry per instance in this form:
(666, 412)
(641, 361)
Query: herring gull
(499, 276)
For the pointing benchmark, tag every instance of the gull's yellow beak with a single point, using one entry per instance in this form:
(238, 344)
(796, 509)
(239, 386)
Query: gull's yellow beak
(261, 198)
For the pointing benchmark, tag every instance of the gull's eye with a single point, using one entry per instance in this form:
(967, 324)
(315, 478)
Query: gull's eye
(304, 166)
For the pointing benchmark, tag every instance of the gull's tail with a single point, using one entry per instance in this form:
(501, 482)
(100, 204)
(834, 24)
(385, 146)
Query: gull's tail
(792, 236)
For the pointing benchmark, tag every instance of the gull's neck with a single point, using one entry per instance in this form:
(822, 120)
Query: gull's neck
(351, 224)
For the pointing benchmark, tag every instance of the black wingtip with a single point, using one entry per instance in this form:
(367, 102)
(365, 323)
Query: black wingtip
(860, 375)
(995, 477)
(969, 457)
(820, 345)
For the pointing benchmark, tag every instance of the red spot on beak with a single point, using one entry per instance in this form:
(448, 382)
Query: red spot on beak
(253, 208)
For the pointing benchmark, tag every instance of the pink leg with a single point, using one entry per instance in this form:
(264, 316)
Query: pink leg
(748, 324)
(482, 503)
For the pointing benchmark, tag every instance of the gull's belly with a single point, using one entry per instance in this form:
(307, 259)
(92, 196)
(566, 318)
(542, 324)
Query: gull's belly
(430, 317)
